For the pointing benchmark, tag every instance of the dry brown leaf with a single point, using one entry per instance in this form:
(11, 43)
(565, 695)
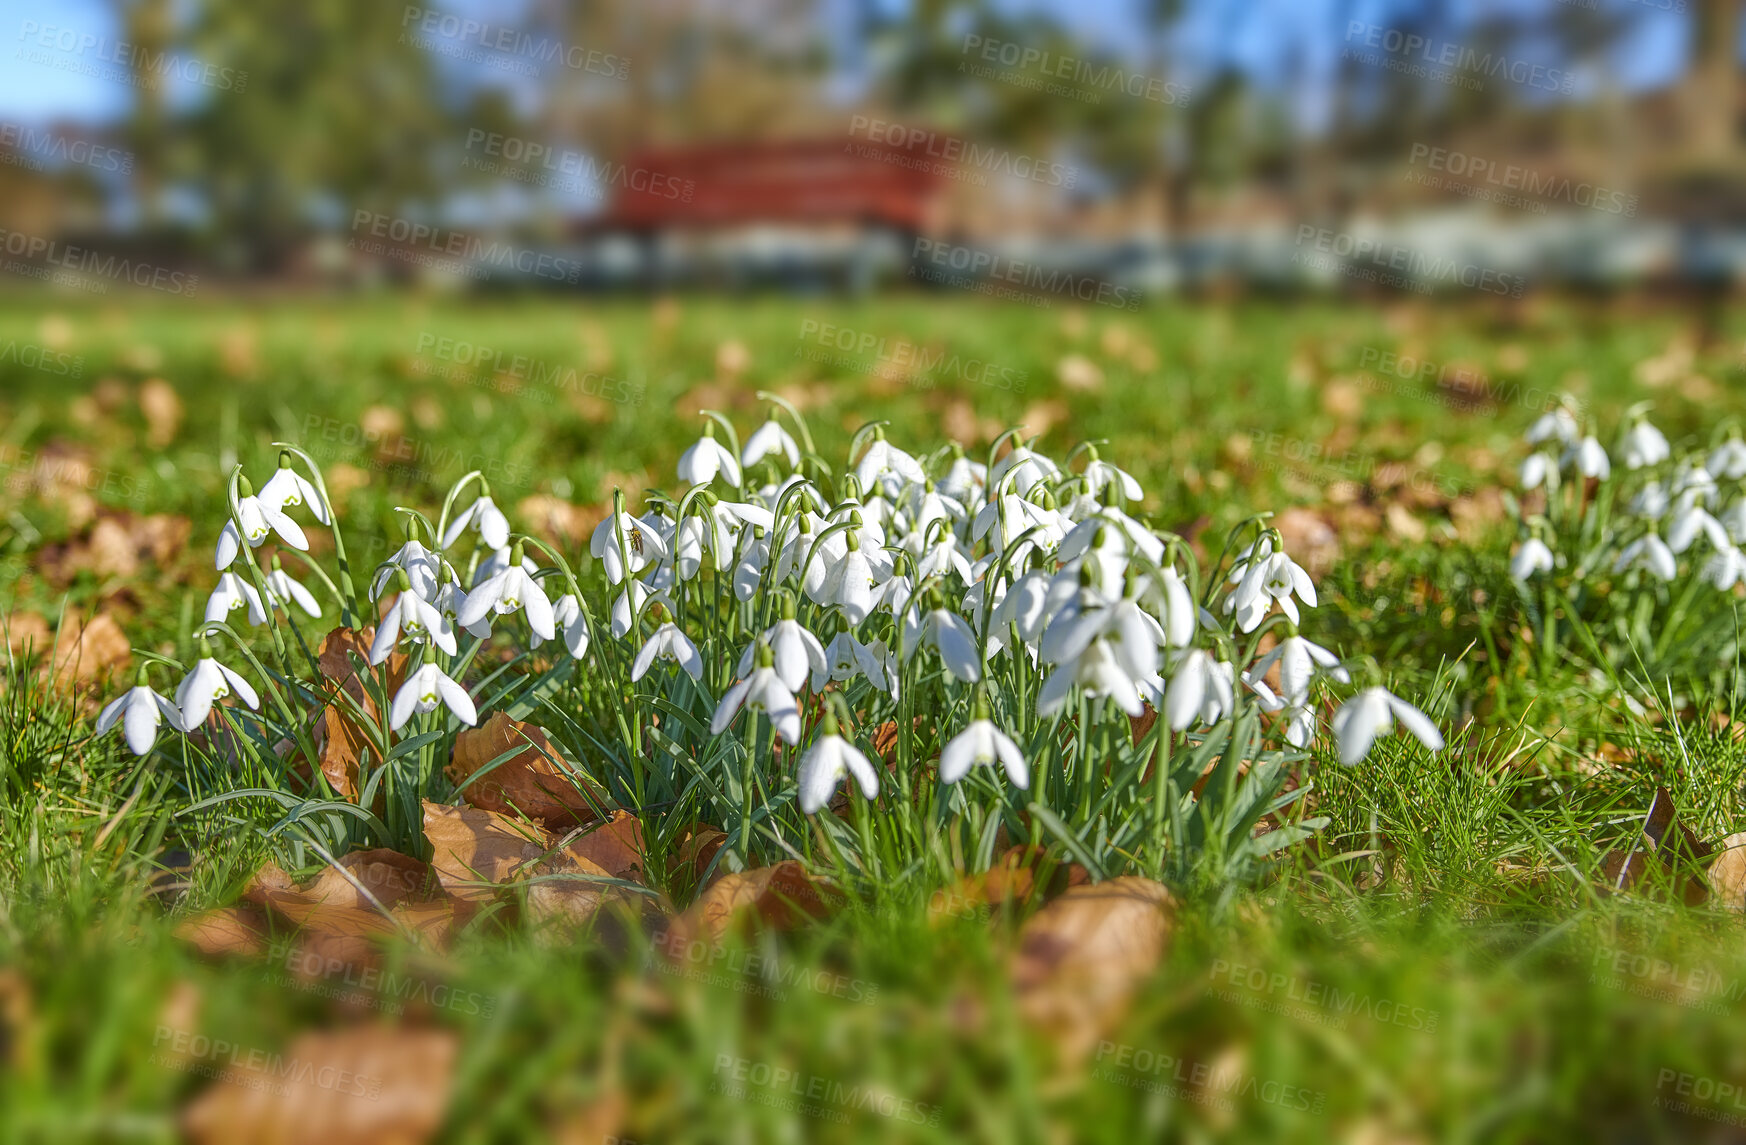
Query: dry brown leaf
(534, 782)
(783, 896)
(373, 1085)
(89, 652)
(1082, 956)
(616, 846)
(563, 890)
(1077, 372)
(389, 876)
(696, 851)
(335, 659)
(27, 632)
(1012, 880)
(162, 410)
(1727, 875)
(240, 929)
(474, 852)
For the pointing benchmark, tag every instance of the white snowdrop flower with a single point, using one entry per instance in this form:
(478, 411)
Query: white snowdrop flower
(421, 566)
(1026, 605)
(1273, 579)
(642, 547)
(1558, 423)
(1533, 557)
(206, 682)
(141, 711)
(826, 762)
(1199, 688)
(1651, 501)
(797, 652)
(1536, 470)
(1685, 525)
(943, 558)
(416, 619)
(767, 439)
(753, 559)
(1300, 726)
(706, 459)
(1644, 445)
(846, 658)
(1025, 467)
(1371, 713)
(965, 479)
(1733, 518)
(450, 599)
(894, 596)
(951, 636)
(1590, 458)
(258, 519)
(571, 624)
(288, 487)
(232, 593)
(927, 505)
(512, 590)
(1649, 552)
(764, 691)
(628, 603)
(848, 583)
(425, 691)
(1726, 568)
(485, 518)
(1728, 459)
(1099, 673)
(882, 459)
(284, 591)
(1168, 596)
(1100, 474)
(981, 742)
(1298, 658)
(668, 643)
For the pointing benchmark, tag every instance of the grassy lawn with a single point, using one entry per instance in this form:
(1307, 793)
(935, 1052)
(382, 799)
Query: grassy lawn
(1441, 961)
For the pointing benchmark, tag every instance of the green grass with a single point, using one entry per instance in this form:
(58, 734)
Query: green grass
(1436, 965)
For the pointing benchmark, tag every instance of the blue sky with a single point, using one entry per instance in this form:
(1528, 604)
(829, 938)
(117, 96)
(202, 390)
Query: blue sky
(1277, 42)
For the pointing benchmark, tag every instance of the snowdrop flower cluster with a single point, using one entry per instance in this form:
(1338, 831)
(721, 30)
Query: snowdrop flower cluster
(1639, 510)
(990, 606)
